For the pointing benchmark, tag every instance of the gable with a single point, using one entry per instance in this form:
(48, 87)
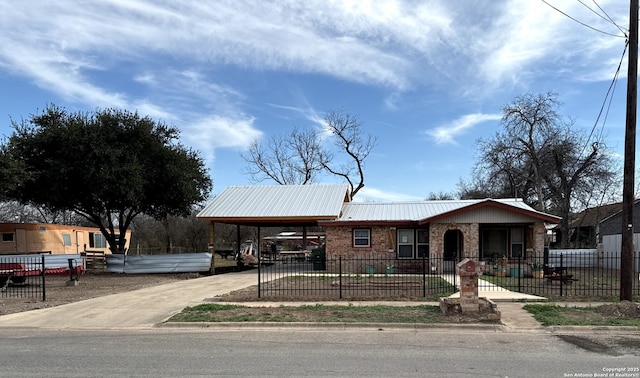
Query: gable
(496, 211)
(488, 215)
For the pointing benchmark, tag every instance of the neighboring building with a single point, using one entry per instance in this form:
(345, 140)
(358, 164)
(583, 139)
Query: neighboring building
(19, 238)
(584, 227)
(612, 224)
(442, 230)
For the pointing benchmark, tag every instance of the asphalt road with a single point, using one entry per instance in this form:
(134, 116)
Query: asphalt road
(256, 352)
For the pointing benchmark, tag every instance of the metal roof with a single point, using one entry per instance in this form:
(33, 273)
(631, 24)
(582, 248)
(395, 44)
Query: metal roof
(326, 203)
(262, 204)
(404, 211)
(423, 210)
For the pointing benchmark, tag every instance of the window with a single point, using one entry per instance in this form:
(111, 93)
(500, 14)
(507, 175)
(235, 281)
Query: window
(413, 243)
(97, 240)
(362, 237)
(517, 243)
(7, 237)
(498, 242)
(66, 239)
(423, 243)
(406, 243)
(494, 242)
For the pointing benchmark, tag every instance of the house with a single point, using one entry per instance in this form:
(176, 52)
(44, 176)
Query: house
(610, 236)
(20, 238)
(584, 226)
(612, 224)
(447, 230)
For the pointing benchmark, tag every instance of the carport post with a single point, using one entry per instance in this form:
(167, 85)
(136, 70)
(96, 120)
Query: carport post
(304, 238)
(259, 261)
(212, 233)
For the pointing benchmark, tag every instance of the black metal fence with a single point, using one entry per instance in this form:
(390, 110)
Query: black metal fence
(585, 274)
(23, 277)
(352, 279)
(589, 276)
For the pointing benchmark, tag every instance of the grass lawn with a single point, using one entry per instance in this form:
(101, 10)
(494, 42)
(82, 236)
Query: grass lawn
(616, 314)
(316, 313)
(384, 287)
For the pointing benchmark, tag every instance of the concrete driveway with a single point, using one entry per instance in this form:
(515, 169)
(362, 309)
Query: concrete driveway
(141, 308)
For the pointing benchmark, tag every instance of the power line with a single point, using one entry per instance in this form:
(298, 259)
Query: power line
(582, 23)
(611, 20)
(611, 87)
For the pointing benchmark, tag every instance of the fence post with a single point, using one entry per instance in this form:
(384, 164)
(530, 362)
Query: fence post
(424, 276)
(520, 273)
(44, 290)
(340, 274)
(259, 270)
(561, 273)
(455, 274)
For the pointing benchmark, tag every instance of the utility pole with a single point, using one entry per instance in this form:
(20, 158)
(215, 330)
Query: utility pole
(628, 186)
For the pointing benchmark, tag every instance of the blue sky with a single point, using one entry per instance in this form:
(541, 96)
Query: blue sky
(428, 78)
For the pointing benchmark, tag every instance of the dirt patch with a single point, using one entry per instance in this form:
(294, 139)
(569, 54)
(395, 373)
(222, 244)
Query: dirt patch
(623, 309)
(607, 314)
(250, 294)
(89, 285)
(487, 310)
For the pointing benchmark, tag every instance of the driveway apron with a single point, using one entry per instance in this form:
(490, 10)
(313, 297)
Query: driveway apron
(141, 308)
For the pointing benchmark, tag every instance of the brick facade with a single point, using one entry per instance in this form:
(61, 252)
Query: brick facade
(339, 242)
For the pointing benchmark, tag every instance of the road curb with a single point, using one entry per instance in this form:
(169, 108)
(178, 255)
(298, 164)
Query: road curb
(374, 326)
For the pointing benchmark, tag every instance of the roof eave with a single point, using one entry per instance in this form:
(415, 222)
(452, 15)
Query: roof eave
(263, 221)
(369, 223)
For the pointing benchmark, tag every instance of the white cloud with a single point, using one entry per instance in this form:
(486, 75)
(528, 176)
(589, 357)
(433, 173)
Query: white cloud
(447, 133)
(394, 44)
(368, 194)
(398, 44)
(213, 132)
(527, 36)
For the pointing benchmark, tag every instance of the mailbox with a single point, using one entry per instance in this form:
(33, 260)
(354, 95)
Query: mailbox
(466, 267)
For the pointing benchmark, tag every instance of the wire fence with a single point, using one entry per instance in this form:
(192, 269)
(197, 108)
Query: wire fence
(23, 277)
(588, 276)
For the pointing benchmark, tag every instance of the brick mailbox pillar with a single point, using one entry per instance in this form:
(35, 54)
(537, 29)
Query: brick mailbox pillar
(466, 269)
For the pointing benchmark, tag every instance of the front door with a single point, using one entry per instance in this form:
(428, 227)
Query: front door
(453, 244)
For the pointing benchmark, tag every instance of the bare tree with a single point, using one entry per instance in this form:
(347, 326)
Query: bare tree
(299, 157)
(286, 159)
(170, 235)
(350, 139)
(15, 212)
(540, 158)
(433, 196)
(531, 123)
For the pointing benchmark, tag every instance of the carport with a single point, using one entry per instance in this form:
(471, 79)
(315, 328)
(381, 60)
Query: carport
(275, 206)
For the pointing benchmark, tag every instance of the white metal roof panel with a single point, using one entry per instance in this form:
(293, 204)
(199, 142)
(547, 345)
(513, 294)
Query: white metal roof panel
(404, 211)
(415, 211)
(278, 201)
